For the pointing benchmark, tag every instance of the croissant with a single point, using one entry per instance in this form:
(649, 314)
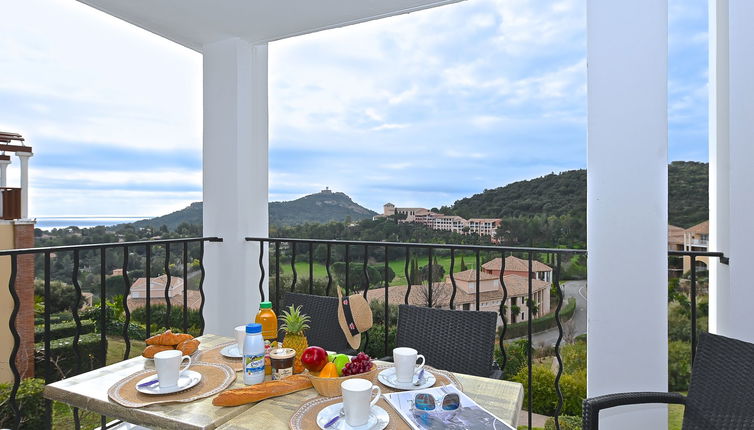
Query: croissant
(151, 350)
(168, 338)
(188, 347)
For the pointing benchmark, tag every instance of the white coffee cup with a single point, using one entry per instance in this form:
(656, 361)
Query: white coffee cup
(405, 363)
(356, 403)
(240, 336)
(168, 365)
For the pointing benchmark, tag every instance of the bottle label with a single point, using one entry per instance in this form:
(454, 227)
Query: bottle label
(253, 364)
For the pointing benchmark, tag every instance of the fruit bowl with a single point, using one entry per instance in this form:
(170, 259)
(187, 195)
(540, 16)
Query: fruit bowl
(330, 387)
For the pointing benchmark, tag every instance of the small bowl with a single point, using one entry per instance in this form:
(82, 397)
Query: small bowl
(330, 387)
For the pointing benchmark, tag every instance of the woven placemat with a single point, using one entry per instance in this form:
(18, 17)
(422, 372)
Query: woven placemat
(213, 356)
(305, 417)
(215, 378)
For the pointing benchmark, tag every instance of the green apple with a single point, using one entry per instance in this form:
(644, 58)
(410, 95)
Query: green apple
(340, 361)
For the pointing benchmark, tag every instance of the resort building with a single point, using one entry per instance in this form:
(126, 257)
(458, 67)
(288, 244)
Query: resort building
(490, 293)
(138, 293)
(438, 221)
(520, 267)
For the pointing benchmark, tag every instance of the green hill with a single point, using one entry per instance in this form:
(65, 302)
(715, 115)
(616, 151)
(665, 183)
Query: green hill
(565, 194)
(321, 207)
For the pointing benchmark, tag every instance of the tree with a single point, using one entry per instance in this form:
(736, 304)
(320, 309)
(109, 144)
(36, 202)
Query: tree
(438, 272)
(62, 295)
(462, 267)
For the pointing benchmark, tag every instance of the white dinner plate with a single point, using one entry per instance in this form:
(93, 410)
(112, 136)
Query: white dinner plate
(188, 379)
(378, 419)
(388, 378)
(231, 351)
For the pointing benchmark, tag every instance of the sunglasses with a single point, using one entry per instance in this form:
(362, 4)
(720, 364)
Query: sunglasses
(427, 402)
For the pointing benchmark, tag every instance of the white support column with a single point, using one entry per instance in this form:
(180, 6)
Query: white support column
(235, 174)
(731, 158)
(4, 172)
(627, 205)
(24, 158)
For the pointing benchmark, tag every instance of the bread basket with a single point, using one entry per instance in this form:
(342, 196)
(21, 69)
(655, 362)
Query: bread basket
(330, 387)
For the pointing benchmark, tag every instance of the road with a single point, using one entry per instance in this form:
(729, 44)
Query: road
(577, 324)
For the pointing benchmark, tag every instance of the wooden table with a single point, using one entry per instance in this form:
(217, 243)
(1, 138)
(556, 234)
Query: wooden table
(89, 391)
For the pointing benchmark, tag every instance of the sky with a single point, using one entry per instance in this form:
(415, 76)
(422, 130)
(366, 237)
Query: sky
(419, 109)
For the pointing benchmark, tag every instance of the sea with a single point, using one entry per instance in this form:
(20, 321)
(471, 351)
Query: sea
(50, 222)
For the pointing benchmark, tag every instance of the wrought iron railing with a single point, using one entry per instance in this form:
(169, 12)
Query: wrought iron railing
(47, 253)
(277, 251)
(362, 252)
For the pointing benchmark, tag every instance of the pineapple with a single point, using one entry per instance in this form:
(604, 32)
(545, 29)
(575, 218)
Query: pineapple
(294, 323)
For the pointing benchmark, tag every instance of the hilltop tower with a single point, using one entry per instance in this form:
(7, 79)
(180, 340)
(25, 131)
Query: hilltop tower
(388, 209)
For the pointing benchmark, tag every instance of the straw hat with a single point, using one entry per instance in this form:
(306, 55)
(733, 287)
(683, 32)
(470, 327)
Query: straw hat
(354, 317)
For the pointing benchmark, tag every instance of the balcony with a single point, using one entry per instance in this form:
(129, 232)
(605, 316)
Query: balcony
(627, 149)
(288, 264)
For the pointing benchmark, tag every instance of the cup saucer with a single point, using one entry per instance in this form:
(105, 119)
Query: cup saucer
(388, 378)
(188, 379)
(378, 418)
(231, 351)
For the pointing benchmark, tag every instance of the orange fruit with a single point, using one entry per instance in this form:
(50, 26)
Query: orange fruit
(329, 371)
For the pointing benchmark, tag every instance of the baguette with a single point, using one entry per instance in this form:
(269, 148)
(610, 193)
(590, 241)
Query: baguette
(259, 392)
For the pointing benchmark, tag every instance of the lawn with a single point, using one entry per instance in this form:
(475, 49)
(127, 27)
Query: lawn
(319, 271)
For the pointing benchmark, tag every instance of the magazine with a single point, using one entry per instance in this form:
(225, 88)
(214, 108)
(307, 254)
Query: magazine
(469, 416)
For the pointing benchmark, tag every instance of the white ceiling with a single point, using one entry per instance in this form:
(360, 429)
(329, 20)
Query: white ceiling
(194, 23)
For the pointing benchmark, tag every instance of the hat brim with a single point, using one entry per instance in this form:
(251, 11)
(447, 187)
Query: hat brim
(353, 341)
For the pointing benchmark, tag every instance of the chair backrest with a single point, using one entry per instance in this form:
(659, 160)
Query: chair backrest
(453, 340)
(722, 385)
(324, 329)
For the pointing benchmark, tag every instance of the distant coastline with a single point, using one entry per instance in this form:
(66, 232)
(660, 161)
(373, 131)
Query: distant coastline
(48, 223)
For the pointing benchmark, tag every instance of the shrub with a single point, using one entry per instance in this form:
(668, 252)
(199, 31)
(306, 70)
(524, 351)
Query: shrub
(679, 365)
(573, 387)
(574, 357)
(64, 359)
(157, 316)
(544, 396)
(64, 329)
(516, 357)
(540, 324)
(567, 422)
(62, 295)
(30, 402)
(373, 343)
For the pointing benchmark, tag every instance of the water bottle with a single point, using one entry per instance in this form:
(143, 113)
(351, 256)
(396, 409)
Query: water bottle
(253, 355)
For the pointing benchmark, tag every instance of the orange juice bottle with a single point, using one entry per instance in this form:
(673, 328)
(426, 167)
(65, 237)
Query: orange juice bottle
(269, 321)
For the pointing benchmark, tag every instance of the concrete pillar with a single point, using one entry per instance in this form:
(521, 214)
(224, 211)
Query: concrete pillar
(235, 171)
(627, 205)
(731, 157)
(24, 158)
(4, 172)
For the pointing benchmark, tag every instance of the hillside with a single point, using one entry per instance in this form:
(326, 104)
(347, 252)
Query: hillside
(321, 207)
(565, 194)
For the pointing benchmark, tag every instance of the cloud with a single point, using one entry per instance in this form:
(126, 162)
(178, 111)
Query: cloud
(418, 109)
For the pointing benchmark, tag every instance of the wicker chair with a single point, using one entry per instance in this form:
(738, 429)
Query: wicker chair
(722, 386)
(453, 340)
(324, 329)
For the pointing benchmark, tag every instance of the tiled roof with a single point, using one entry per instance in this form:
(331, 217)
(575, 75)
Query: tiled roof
(701, 228)
(675, 235)
(517, 286)
(470, 276)
(157, 282)
(516, 264)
